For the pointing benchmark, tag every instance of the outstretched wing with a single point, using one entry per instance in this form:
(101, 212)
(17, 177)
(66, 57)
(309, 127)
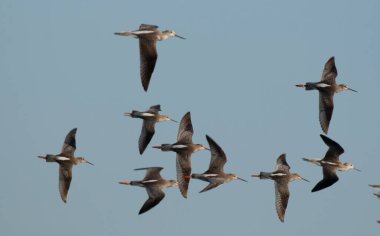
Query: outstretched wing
(282, 197)
(329, 73)
(148, 58)
(147, 132)
(281, 163)
(65, 176)
(185, 131)
(326, 107)
(152, 173)
(218, 157)
(210, 186)
(183, 165)
(155, 197)
(148, 27)
(335, 150)
(329, 178)
(69, 145)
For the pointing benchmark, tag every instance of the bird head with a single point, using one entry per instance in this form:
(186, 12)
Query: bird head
(343, 87)
(199, 147)
(350, 166)
(296, 176)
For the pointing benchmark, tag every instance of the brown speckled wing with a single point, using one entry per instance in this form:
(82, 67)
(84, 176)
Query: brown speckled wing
(282, 197)
(65, 176)
(329, 73)
(183, 166)
(326, 107)
(185, 130)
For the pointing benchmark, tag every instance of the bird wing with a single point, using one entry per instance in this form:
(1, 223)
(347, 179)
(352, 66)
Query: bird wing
(152, 173)
(211, 186)
(65, 176)
(148, 58)
(282, 197)
(329, 178)
(185, 130)
(155, 197)
(183, 165)
(148, 27)
(218, 157)
(329, 73)
(281, 163)
(69, 145)
(326, 107)
(154, 109)
(147, 132)
(335, 150)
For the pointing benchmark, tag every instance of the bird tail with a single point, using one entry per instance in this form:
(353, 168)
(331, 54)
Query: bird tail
(131, 114)
(314, 161)
(124, 33)
(310, 86)
(263, 175)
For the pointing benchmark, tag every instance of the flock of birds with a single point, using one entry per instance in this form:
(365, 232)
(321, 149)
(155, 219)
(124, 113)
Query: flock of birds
(184, 147)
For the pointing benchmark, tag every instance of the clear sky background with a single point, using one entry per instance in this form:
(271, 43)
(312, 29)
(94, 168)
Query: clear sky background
(62, 67)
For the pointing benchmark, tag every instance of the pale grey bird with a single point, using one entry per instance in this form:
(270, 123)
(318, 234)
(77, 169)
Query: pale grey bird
(184, 148)
(153, 184)
(282, 177)
(215, 174)
(327, 87)
(330, 164)
(148, 35)
(150, 117)
(66, 160)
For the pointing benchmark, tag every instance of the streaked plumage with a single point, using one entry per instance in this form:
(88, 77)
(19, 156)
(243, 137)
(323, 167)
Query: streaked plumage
(281, 177)
(327, 87)
(66, 160)
(148, 36)
(330, 164)
(215, 174)
(150, 117)
(154, 184)
(184, 147)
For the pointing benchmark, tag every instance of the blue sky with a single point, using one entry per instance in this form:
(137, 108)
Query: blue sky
(61, 67)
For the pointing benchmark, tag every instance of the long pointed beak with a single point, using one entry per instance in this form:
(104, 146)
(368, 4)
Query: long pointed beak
(126, 183)
(357, 169)
(242, 179)
(352, 90)
(179, 36)
(300, 85)
(305, 179)
(173, 120)
(89, 163)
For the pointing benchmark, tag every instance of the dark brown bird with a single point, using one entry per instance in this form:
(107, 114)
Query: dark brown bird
(150, 117)
(327, 87)
(330, 164)
(66, 160)
(282, 177)
(148, 35)
(184, 147)
(154, 184)
(215, 174)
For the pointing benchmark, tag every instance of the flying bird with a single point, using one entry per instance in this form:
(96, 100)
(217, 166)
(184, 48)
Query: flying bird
(150, 117)
(154, 184)
(184, 147)
(282, 177)
(327, 87)
(148, 36)
(215, 174)
(330, 164)
(66, 160)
